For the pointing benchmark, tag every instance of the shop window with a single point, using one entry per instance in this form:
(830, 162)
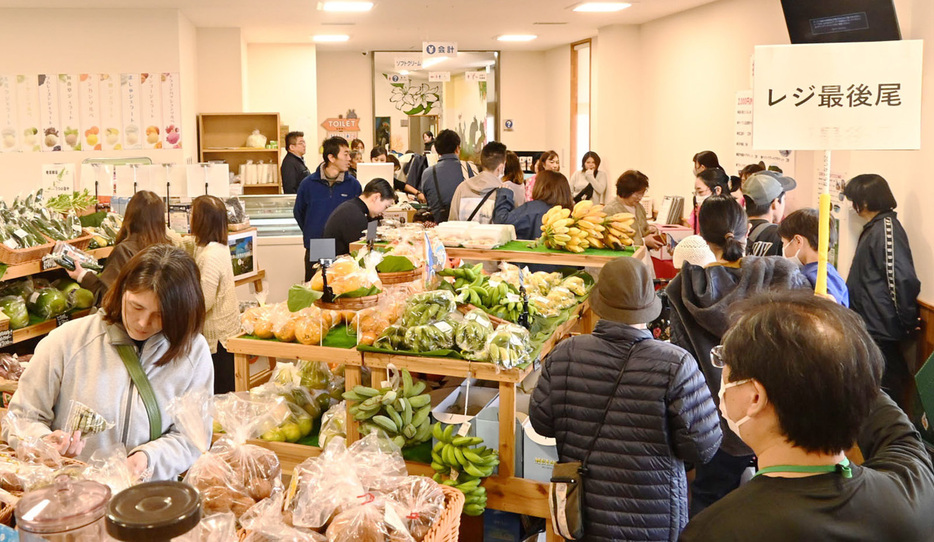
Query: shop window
(580, 102)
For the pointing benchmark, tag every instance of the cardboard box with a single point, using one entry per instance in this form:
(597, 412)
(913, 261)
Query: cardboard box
(501, 526)
(403, 216)
(535, 454)
(478, 397)
(487, 427)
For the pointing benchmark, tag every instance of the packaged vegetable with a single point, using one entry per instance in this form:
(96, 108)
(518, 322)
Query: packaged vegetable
(15, 308)
(428, 307)
(392, 338)
(85, 419)
(10, 367)
(109, 466)
(348, 279)
(471, 334)
(221, 527)
(257, 321)
(419, 502)
(436, 336)
(47, 303)
(509, 346)
(266, 522)
(333, 424)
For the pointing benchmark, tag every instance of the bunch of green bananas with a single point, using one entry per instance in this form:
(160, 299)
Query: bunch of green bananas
(509, 346)
(403, 413)
(462, 463)
(471, 334)
(462, 275)
(436, 336)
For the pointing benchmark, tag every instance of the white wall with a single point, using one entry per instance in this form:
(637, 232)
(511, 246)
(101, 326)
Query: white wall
(220, 71)
(523, 100)
(557, 89)
(283, 79)
(353, 92)
(104, 40)
(188, 72)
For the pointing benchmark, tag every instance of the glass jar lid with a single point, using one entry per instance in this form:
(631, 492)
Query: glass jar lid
(154, 511)
(65, 505)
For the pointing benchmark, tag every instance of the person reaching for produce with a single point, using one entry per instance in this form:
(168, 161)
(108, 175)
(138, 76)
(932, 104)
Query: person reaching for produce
(208, 246)
(143, 225)
(348, 223)
(90, 360)
(551, 189)
(658, 414)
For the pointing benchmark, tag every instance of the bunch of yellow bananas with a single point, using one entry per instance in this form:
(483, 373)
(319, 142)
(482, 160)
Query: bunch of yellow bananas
(617, 232)
(574, 230)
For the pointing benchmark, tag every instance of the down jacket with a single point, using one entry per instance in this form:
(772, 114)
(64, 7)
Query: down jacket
(661, 416)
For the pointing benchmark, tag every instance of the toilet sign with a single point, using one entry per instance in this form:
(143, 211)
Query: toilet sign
(438, 49)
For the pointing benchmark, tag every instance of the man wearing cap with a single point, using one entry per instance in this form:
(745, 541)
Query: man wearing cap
(642, 406)
(764, 193)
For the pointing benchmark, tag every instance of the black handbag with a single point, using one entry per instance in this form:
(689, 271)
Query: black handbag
(566, 491)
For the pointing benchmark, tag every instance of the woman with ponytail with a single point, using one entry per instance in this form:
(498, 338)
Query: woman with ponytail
(700, 299)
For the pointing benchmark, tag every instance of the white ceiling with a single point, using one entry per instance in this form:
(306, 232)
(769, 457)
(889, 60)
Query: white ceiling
(396, 24)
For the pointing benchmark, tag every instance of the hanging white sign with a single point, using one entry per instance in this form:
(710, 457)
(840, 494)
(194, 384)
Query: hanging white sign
(438, 49)
(439, 77)
(475, 76)
(407, 63)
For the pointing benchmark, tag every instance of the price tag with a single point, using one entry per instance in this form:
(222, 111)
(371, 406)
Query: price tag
(444, 327)
(47, 263)
(19, 232)
(11, 243)
(465, 428)
(6, 338)
(62, 319)
(513, 298)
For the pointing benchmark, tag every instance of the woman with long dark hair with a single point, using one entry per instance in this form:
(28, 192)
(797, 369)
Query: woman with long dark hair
(548, 161)
(143, 226)
(707, 183)
(700, 299)
(126, 363)
(589, 182)
(551, 189)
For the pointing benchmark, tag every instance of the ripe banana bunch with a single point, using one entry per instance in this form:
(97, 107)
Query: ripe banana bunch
(589, 220)
(618, 232)
(461, 462)
(574, 230)
(403, 413)
(556, 227)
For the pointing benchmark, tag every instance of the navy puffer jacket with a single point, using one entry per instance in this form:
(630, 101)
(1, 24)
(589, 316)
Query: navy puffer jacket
(661, 416)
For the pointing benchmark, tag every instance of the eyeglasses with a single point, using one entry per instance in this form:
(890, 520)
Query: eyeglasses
(706, 192)
(716, 356)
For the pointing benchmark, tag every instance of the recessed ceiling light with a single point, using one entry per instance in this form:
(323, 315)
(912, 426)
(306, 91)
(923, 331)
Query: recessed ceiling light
(330, 38)
(517, 37)
(345, 6)
(602, 7)
(433, 62)
(404, 72)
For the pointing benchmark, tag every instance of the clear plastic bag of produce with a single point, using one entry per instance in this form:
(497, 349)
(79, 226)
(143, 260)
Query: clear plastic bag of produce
(266, 522)
(326, 485)
(301, 404)
(233, 475)
(15, 308)
(257, 321)
(379, 463)
(426, 338)
(372, 519)
(347, 278)
(283, 322)
(369, 323)
(22, 288)
(10, 367)
(109, 466)
(419, 501)
(29, 446)
(47, 303)
(471, 334)
(509, 346)
(428, 307)
(392, 338)
(333, 424)
(221, 527)
(85, 419)
(189, 411)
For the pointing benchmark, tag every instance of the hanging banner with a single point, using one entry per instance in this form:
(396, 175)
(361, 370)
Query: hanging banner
(407, 63)
(439, 77)
(745, 154)
(172, 110)
(49, 119)
(8, 138)
(836, 96)
(27, 112)
(90, 112)
(111, 112)
(132, 115)
(150, 92)
(58, 179)
(68, 104)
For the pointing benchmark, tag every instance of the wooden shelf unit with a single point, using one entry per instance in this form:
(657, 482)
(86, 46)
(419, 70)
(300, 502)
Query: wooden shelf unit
(221, 136)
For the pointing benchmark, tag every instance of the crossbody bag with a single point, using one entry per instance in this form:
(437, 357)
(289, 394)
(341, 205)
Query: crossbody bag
(566, 491)
(446, 208)
(146, 393)
(480, 205)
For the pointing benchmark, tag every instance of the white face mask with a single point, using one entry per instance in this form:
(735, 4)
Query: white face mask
(793, 258)
(699, 200)
(734, 426)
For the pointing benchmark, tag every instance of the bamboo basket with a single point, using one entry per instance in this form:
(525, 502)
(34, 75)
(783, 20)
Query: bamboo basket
(18, 256)
(83, 242)
(349, 303)
(447, 528)
(401, 277)
(6, 514)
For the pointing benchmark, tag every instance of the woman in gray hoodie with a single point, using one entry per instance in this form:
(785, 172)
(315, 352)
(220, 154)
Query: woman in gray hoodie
(152, 316)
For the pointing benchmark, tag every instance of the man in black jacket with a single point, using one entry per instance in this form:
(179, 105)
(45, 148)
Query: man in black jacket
(348, 223)
(800, 384)
(660, 416)
(293, 165)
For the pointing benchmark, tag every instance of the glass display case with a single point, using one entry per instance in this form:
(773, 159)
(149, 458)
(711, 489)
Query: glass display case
(272, 215)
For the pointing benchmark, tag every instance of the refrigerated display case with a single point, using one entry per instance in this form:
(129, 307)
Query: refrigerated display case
(272, 215)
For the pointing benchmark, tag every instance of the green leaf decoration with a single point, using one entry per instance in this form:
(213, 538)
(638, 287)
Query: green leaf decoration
(301, 296)
(395, 264)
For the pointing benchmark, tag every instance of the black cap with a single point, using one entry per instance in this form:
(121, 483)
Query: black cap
(154, 511)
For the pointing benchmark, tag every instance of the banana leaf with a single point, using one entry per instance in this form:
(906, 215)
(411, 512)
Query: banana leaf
(361, 292)
(301, 296)
(395, 264)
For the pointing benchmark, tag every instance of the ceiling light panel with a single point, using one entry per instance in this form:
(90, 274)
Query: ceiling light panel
(330, 38)
(517, 37)
(602, 7)
(346, 7)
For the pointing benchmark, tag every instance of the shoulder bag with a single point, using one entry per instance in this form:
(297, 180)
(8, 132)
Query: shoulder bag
(566, 491)
(141, 381)
(480, 205)
(434, 176)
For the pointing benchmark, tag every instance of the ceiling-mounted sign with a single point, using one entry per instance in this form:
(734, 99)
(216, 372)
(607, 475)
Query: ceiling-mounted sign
(508, 125)
(436, 49)
(475, 76)
(830, 96)
(407, 63)
(397, 78)
(342, 127)
(439, 77)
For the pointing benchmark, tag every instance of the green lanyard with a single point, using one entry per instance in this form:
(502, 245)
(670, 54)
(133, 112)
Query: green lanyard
(842, 467)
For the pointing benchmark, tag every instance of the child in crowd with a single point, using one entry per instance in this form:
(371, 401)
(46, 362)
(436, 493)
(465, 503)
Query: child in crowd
(798, 232)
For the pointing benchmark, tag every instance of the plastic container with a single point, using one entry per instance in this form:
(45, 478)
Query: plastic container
(69, 510)
(154, 511)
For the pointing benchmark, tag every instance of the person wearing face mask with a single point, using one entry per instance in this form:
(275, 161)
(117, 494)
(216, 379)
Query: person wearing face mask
(882, 281)
(800, 384)
(348, 223)
(589, 182)
(764, 193)
(630, 189)
(640, 403)
(710, 182)
(700, 299)
(547, 161)
(798, 232)
(126, 362)
(475, 198)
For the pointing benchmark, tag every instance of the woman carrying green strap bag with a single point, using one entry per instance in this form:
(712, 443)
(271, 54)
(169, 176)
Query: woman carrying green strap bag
(126, 363)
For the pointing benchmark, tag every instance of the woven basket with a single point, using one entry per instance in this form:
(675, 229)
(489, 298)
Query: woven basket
(401, 277)
(447, 528)
(83, 242)
(18, 256)
(349, 303)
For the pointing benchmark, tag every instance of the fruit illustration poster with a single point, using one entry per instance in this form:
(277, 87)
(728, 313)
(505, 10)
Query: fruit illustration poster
(132, 113)
(27, 112)
(8, 129)
(150, 85)
(68, 105)
(49, 119)
(89, 99)
(110, 111)
(171, 110)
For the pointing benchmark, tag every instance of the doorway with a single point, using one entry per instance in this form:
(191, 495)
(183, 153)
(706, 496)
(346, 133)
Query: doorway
(418, 125)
